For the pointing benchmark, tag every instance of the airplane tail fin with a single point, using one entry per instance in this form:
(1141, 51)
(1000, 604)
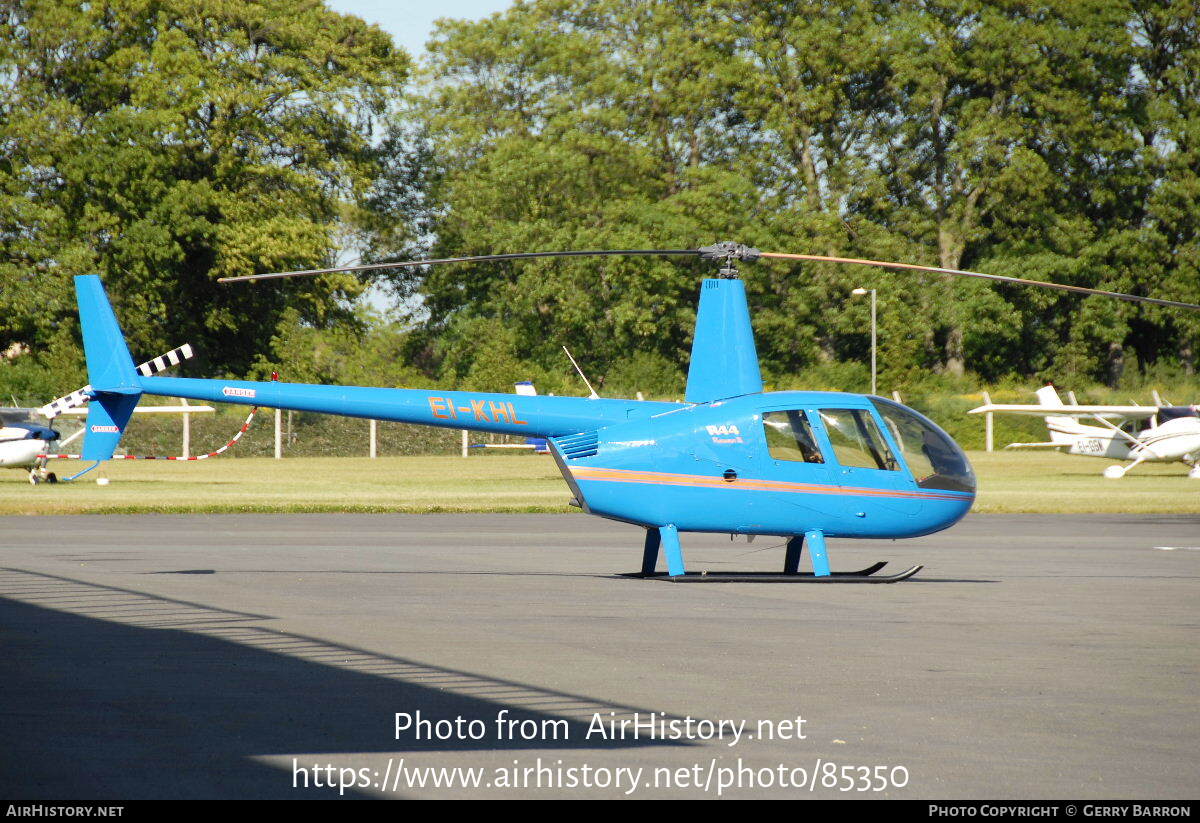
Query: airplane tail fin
(1048, 396)
(114, 380)
(1059, 427)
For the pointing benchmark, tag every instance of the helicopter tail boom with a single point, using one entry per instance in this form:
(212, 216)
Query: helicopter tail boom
(116, 387)
(515, 414)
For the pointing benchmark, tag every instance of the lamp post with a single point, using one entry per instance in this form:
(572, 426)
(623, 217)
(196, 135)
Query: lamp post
(861, 291)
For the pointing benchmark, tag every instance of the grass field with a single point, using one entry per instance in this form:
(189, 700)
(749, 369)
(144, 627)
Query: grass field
(1009, 482)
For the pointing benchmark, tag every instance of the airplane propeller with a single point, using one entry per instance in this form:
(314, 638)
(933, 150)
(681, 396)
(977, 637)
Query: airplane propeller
(726, 252)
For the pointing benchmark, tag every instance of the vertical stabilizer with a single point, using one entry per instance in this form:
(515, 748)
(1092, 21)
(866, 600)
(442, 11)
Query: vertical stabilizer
(1048, 396)
(1062, 430)
(724, 359)
(115, 385)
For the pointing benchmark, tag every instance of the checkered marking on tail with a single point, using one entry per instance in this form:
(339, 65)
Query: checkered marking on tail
(172, 358)
(56, 407)
(151, 367)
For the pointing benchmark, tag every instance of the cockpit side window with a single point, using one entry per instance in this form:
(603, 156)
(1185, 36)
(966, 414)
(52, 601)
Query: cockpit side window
(790, 437)
(856, 439)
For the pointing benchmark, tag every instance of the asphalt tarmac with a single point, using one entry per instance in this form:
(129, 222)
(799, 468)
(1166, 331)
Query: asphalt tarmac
(231, 656)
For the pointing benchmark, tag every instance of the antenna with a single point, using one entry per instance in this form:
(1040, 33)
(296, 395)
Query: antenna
(593, 394)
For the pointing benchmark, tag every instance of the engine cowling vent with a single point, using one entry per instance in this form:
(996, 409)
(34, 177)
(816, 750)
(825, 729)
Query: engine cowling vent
(577, 446)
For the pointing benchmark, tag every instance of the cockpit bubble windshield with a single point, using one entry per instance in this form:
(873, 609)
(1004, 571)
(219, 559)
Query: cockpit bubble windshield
(935, 459)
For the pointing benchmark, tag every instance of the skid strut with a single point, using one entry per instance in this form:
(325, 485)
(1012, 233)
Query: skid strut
(668, 538)
(866, 575)
(791, 561)
(816, 550)
(650, 552)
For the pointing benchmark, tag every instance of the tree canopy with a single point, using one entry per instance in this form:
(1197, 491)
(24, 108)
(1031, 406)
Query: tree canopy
(1051, 141)
(165, 143)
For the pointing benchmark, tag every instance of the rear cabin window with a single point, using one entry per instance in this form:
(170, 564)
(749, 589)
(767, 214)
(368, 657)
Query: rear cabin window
(790, 437)
(856, 440)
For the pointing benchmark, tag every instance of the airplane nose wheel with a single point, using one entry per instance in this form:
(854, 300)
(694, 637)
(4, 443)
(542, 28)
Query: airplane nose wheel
(1194, 474)
(40, 475)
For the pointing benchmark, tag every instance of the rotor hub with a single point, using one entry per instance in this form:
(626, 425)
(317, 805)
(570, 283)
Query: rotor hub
(728, 253)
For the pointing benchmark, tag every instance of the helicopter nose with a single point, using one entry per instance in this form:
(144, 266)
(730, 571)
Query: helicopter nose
(949, 511)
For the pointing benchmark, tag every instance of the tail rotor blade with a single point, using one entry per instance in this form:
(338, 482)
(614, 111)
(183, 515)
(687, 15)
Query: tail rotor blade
(151, 367)
(165, 361)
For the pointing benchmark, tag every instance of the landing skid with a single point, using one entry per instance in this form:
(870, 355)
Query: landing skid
(862, 576)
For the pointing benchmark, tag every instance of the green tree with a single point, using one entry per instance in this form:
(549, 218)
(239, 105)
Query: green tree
(165, 143)
(1052, 141)
(572, 125)
(366, 350)
(1166, 88)
(995, 115)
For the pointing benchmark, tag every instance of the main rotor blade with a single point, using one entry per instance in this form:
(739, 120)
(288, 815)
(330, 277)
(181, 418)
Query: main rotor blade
(477, 259)
(997, 277)
(720, 251)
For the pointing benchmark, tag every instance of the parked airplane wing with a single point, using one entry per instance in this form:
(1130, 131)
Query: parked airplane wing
(1129, 412)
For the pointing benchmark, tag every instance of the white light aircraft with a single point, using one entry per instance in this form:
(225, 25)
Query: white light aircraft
(22, 440)
(1140, 434)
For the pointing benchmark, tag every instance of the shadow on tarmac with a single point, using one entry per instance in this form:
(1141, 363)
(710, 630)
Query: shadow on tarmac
(113, 693)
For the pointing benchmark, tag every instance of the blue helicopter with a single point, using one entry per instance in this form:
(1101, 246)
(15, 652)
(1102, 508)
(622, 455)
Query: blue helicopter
(802, 465)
